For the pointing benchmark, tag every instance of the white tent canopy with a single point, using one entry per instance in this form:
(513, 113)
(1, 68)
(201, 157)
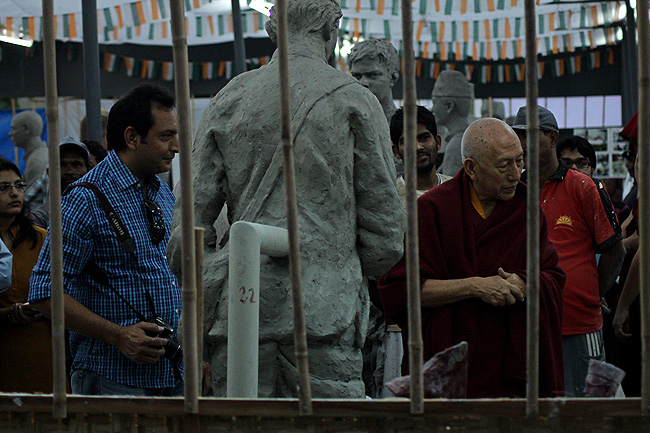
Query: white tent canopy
(477, 30)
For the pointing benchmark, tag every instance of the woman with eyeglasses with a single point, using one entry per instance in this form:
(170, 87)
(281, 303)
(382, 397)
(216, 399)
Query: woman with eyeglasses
(25, 336)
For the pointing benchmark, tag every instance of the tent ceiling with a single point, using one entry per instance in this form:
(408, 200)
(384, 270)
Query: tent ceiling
(479, 30)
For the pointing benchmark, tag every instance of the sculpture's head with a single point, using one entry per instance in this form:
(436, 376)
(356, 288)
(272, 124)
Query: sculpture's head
(307, 18)
(451, 96)
(498, 109)
(25, 126)
(375, 64)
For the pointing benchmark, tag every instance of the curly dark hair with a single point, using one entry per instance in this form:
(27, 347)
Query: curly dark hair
(26, 231)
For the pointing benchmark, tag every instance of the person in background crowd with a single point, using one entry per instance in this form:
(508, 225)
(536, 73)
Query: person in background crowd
(6, 262)
(83, 129)
(580, 227)
(115, 340)
(74, 164)
(97, 152)
(25, 335)
(630, 186)
(428, 145)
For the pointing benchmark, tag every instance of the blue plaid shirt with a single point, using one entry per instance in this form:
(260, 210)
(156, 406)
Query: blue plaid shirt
(87, 235)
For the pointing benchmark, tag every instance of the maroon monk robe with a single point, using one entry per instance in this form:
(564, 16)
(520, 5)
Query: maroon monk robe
(455, 242)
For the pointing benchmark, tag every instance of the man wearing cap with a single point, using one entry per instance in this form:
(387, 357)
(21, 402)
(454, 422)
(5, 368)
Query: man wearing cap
(74, 164)
(452, 99)
(579, 227)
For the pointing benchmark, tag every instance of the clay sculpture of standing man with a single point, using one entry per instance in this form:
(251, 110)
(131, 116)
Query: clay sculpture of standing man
(375, 63)
(25, 132)
(349, 214)
(452, 100)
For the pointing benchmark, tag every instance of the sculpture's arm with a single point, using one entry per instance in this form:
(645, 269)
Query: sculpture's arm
(209, 197)
(380, 217)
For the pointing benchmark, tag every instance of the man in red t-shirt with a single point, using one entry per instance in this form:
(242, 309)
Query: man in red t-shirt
(579, 227)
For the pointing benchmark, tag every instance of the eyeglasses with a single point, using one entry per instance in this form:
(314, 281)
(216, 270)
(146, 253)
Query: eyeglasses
(6, 186)
(580, 163)
(156, 221)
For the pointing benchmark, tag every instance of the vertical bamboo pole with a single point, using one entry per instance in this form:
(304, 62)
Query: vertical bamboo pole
(412, 256)
(643, 177)
(92, 82)
(238, 42)
(13, 113)
(56, 237)
(295, 265)
(532, 247)
(188, 314)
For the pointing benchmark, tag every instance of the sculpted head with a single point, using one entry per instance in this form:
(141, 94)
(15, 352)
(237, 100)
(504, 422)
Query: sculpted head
(498, 109)
(25, 126)
(375, 63)
(306, 17)
(451, 97)
(492, 158)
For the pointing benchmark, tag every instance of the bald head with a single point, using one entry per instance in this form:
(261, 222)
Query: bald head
(493, 159)
(26, 127)
(484, 136)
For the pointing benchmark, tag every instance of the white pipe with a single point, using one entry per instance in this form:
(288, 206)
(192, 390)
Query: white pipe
(392, 358)
(247, 242)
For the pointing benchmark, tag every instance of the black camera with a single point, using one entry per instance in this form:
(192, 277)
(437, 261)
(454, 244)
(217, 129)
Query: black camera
(173, 350)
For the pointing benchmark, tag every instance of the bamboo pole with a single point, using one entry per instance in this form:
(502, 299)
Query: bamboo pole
(412, 256)
(532, 244)
(295, 265)
(643, 177)
(238, 39)
(56, 237)
(198, 251)
(188, 314)
(13, 113)
(92, 82)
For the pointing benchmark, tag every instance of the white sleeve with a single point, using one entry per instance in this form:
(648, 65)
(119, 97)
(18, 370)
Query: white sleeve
(5, 267)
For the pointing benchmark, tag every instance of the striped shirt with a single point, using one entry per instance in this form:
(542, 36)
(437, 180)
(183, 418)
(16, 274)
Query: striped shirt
(88, 235)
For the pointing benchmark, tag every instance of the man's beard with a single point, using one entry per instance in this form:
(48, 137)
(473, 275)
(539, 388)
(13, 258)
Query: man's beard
(426, 169)
(66, 181)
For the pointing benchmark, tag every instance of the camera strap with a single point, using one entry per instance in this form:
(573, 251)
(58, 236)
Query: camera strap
(114, 220)
(126, 241)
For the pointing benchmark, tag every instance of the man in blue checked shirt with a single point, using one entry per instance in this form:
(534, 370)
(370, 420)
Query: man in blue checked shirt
(115, 287)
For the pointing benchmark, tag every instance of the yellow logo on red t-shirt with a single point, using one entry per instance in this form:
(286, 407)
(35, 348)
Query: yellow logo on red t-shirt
(565, 220)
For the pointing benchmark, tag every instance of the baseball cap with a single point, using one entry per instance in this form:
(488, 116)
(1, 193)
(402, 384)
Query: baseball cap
(547, 120)
(72, 144)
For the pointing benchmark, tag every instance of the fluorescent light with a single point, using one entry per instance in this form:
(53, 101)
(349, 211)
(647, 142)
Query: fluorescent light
(16, 41)
(261, 6)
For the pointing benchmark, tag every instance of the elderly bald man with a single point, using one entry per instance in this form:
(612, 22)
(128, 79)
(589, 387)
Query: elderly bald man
(472, 237)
